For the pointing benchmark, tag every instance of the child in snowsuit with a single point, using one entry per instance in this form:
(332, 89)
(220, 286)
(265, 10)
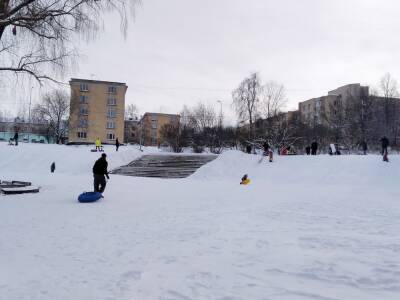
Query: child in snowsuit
(245, 180)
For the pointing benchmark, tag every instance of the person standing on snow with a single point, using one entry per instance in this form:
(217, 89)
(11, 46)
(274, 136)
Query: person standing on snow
(98, 144)
(266, 148)
(364, 147)
(314, 148)
(16, 138)
(385, 144)
(308, 150)
(117, 144)
(99, 174)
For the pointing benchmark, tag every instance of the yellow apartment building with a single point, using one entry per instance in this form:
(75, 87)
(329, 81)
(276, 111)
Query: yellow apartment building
(151, 124)
(97, 110)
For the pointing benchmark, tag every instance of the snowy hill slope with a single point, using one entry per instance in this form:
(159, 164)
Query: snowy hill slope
(324, 228)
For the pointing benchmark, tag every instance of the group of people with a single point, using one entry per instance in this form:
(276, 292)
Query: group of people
(99, 146)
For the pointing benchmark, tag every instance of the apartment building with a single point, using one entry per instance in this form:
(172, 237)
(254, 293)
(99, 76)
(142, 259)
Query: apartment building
(314, 111)
(151, 125)
(96, 111)
(132, 131)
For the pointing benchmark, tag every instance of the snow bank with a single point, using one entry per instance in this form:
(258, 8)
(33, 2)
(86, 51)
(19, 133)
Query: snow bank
(316, 170)
(69, 159)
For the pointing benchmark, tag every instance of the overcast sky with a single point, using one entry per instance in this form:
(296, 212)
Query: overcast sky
(183, 51)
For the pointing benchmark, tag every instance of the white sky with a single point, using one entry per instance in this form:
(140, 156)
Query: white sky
(183, 51)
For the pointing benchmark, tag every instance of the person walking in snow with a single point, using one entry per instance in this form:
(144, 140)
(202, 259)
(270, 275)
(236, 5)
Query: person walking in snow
(364, 147)
(266, 148)
(314, 148)
(385, 144)
(16, 138)
(117, 144)
(308, 150)
(98, 144)
(99, 174)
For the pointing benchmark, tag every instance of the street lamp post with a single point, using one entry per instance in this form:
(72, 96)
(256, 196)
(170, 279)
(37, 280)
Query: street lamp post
(29, 117)
(220, 113)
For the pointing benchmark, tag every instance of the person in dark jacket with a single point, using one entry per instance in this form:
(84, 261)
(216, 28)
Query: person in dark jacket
(308, 150)
(16, 138)
(385, 144)
(364, 147)
(266, 148)
(117, 144)
(99, 171)
(248, 149)
(314, 148)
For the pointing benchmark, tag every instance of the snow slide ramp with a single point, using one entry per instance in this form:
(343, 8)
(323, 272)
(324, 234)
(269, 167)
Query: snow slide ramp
(164, 166)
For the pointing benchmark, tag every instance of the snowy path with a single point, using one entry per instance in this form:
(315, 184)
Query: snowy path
(206, 237)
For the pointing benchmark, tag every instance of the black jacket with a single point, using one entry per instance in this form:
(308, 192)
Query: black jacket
(385, 142)
(100, 167)
(314, 145)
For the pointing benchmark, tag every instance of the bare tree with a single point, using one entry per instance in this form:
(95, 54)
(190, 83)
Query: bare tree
(389, 90)
(37, 34)
(203, 116)
(273, 99)
(54, 109)
(131, 112)
(246, 100)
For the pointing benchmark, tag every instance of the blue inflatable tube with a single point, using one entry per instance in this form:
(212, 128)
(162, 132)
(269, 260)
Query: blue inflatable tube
(87, 197)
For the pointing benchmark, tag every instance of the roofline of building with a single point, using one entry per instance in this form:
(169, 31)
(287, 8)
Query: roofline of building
(78, 80)
(160, 114)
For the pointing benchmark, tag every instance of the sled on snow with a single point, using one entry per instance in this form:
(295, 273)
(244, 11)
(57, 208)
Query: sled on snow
(17, 187)
(88, 197)
(14, 183)
(19, 190)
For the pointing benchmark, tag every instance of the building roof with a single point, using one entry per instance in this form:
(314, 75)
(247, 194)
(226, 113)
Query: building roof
(159, 114)
(79, 80)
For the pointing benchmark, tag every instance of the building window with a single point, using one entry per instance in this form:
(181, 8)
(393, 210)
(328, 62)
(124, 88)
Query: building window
(84, 87)
(83, 98)
(83, 111)
(110, 136)
(111, 101)
(111, 113)
(154, 124)
(110, 125)
(81, 135)
(83, 123)
(112, 89)
(154, 133)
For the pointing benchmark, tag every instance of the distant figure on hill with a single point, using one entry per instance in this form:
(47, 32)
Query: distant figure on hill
(98, 144)
(248, 149)
(99, 171)
(364, 147)
(314, 148)
(16, 138)
(308, 150)
(385, 144)
(266, 148)
(53, 167)
(117, 144)
(245, 180)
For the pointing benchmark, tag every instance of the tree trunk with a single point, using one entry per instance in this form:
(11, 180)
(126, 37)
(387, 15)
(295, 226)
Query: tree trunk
(3, 10)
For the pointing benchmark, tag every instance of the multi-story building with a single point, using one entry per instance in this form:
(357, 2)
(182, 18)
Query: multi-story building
(316, 110)
(96, 111)
(132, 131)
(151, 125)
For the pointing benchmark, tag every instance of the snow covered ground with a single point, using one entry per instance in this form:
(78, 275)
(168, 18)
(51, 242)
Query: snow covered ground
(305, 228)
